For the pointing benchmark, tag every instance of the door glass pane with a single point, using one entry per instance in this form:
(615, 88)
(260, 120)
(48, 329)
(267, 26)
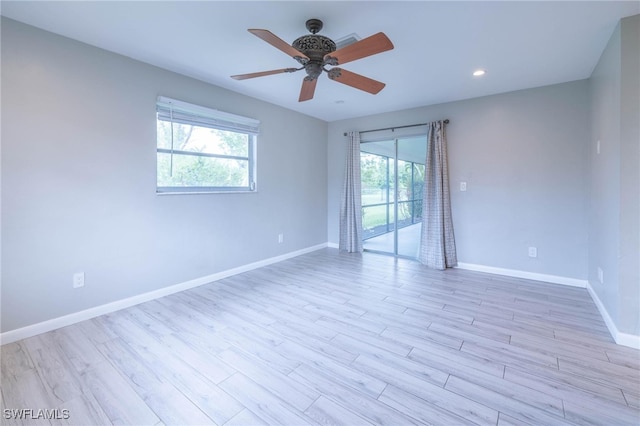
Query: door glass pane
(411, 157)
(377, 170)
(380, 195)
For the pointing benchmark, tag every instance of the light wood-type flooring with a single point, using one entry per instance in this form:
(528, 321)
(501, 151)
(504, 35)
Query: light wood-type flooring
(331, 338)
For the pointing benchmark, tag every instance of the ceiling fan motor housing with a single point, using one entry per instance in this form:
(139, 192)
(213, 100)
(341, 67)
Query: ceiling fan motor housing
(315, 47)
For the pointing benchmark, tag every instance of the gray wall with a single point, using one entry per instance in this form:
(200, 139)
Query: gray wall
(78, 181)
(614, 213)
(524, 157)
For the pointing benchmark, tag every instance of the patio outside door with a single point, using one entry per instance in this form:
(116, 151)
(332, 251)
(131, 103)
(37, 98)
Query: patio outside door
(392, 189)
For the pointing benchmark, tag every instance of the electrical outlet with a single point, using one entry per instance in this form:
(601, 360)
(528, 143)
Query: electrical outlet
(600, 275)
(598, 147)
(280, 238)
(78, 279)
(533, 252)
(463, 186)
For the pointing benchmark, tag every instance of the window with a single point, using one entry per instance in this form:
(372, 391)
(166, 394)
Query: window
(204, 150)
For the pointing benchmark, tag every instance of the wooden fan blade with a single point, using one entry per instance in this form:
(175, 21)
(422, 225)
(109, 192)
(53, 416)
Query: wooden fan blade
(356, 80)
(376, 43)
(262, 73)
(278, 43)
(308, 89)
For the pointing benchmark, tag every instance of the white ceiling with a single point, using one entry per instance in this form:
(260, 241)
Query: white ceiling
(437, 44)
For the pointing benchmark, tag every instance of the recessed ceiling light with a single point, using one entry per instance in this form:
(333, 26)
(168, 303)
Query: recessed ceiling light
(478, 73)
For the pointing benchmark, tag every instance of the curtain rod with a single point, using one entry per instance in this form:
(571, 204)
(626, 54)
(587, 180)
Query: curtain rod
(446, 121)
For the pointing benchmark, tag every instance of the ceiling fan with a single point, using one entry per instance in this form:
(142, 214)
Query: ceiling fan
(315, 52)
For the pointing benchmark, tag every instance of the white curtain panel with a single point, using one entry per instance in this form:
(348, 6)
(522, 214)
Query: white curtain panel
(437, 243)
(351, 205)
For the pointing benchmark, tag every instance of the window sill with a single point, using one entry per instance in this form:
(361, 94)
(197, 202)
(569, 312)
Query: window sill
(203, 192)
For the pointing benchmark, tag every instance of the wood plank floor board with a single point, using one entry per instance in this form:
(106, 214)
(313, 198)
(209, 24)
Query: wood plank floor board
(373, 410)
(338, 372)
(174, 351)
(186, 312)
(564, 326)
(95, 331)
(510, 406)
(373, 343)
(195, 385)
(248, 311)
(436, 314)
(505, 420)
(628, 358)
(298, 396)
(467, 332)
(555, 348)
(116, 397)
(244, 329)
(82, 410)
(26, 391)
(14, 359)
(327, 412)
(386, 319)
(420, 410)
(152, 326)
(169, 404)
(318, 345)
(292, 329)
(417, 304)
(626, 378)
(431, 396)
(632, 398)
(454, 361)
(584, 413)
(511, 327)
(490, 313)
(509, 354)
(282, 310)
(423, 371)
(422, 339)
(361, 325)
(610, 390)
(336, 338)
(512, 390)
(339, 312)
(598, 338)
(591, 393)
(267, 406)
(80, 351)
(56, 371)
(246, 418)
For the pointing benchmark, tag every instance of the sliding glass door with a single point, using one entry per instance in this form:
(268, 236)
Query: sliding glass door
(392, 190)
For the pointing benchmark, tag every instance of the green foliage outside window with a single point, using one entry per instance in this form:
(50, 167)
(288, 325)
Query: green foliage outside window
(201, 157)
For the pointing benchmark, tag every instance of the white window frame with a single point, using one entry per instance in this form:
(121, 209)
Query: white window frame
(175, 111)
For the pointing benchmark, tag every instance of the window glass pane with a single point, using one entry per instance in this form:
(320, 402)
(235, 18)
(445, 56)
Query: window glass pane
(193, 170)
(202, 139)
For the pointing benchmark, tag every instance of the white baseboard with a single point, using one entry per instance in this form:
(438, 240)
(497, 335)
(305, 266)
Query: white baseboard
(554, 279)
(55, 323)
(333, 245)
(624, 339)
